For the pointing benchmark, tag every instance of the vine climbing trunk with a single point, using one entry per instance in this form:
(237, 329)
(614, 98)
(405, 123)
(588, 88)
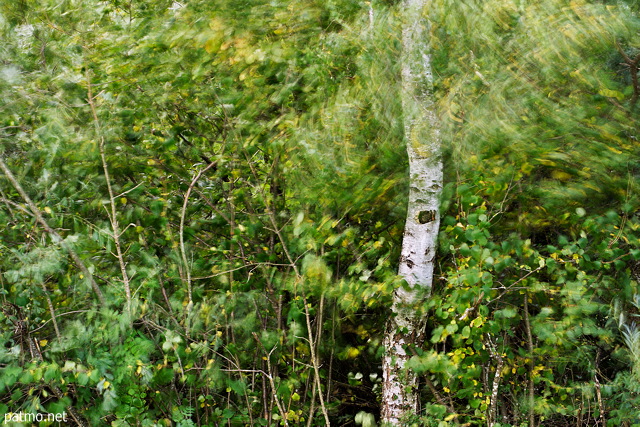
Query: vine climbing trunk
(406, 327)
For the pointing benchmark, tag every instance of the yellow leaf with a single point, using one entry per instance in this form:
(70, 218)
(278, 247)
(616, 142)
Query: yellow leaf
(611, 94)
(526, 168)
(560, 175)
(615, 150)
(454, 118)
(212, 45)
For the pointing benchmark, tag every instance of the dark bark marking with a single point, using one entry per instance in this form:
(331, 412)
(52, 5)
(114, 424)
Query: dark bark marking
(407, 261)
(425, 217)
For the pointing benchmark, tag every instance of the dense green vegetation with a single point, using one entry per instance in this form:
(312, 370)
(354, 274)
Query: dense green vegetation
(202, 205)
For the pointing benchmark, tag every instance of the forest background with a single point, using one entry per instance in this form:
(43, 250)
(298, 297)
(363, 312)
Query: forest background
(202, 206)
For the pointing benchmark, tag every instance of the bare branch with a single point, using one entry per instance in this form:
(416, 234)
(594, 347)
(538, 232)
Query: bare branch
(53, 233)
(113, 217)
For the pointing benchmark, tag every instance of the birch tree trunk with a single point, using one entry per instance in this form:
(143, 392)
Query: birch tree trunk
(406, 327)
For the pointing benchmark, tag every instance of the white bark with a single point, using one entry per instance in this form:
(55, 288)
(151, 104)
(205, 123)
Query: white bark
(399, 395)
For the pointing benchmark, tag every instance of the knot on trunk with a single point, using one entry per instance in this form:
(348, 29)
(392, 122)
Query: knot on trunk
(425, 217)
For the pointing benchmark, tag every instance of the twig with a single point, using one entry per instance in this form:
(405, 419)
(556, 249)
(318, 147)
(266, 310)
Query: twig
(253, 265)
(439, 397)
(603, 420)
(317, 339)
(113, 217)
(314, 359)
(472, 308)
(511, 286)
(8, 203)
(270, 378)
(183, 251)
(600, 403)
(128, 191)
(51, 311)
(527, 324)
(59, 315)
(633, 70)
(504, 199)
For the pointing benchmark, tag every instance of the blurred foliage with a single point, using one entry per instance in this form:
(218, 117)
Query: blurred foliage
(256, 161)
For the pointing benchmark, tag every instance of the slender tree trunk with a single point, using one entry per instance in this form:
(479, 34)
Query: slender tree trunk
(406, 328)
